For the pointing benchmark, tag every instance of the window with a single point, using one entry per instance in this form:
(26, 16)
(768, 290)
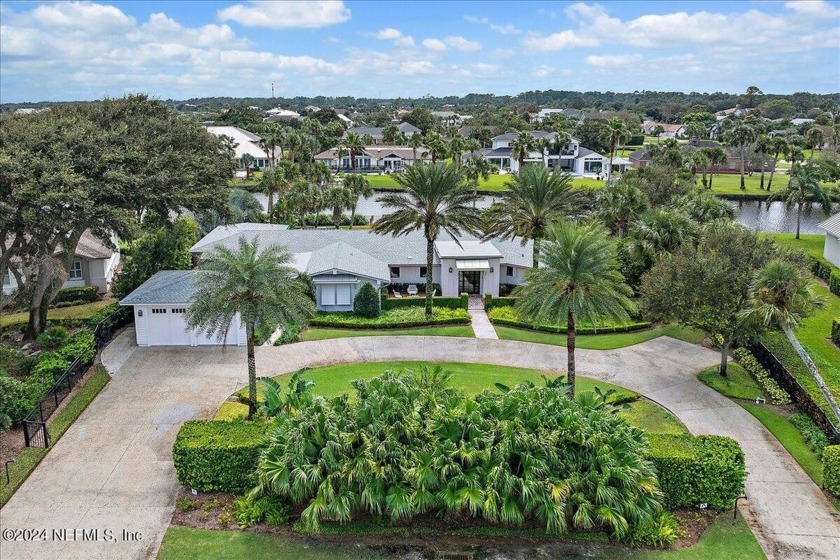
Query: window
(423, 272)
(179, 310)
(158, 311)
(76, 270)
(510, 271)
(395, 272)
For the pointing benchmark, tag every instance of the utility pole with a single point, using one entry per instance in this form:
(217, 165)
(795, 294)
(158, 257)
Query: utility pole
(272, 90)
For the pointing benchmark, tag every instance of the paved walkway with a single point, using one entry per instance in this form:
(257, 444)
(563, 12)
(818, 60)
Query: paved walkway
(113, 468)
(481, 325)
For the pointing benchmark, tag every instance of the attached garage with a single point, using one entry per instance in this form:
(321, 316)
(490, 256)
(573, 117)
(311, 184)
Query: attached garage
(160, 308)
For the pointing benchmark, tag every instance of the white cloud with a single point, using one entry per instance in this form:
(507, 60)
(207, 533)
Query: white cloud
(813, 8)
(286, 14)
(508, 29)
(557, 41)
(388, 33)
(405, 42)
(543, 71)
(462, 44)
(613, 60)
(434, 44)
(391, 34)
(96, 18)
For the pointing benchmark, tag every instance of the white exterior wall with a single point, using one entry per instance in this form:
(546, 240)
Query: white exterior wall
(449, 280)
(11, 286)
(102, 272)
(411, 275)
(516, 278)
(236, 335)
(831, 251)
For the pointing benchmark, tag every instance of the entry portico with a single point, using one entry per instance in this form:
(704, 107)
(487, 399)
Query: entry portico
(469, 266)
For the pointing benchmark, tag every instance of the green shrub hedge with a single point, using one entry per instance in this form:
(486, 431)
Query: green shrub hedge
(81, 345)
(212, 456)
(835, 332)
(81, 294)
(366, 303)
(393, 318)
(698, 470)
(749, 363)
(821, 267)
(491, 302)
(507, 316)
(834, 282)
(831, 469)
(461, 302)
(14, 362)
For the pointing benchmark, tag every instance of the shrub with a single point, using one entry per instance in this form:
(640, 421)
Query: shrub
(268, 508)
(835, 332)
(53, 337)
(15, 399)
(367, 302)
(15, 363)
(820, 267)
(834, 282)
(407, 317)
(697, 470)
(82, 346)
(811, 433)
(749, 363)
(290, 334)
(215, 456)
(50, 366)
(491, 302)
(80, 295)
(106, 312)
(831, 469)
(505, 315)
(659, 532)
(506, 289)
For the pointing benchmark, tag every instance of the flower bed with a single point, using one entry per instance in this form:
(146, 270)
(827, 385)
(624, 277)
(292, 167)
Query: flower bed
(392, 319)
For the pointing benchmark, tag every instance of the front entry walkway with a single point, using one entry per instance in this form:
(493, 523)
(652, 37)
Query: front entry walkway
(481, 325)
(113, 470)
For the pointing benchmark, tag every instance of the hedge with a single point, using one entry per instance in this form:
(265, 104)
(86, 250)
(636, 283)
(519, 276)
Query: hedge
(831, 469)
(491, 302)
(501, 315)
(698, 470)
(214, 456)
(461, 302)
(823, 269)
(81, 294)
(388, 320)
(835, 332)
(770, 386)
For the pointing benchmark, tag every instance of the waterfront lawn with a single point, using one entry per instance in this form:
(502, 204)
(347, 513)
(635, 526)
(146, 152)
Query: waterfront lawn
(601, 341)
(810, 243)
(493, 182)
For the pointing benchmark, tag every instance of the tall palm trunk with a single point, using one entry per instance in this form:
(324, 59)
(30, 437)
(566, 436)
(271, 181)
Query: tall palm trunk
(772, 172)
(761, 186)
(612, 156)
(813, 369)
(270, 205)
(711, 176)
(724, 354)
(743, 157)
(536, 256)
(705, 170)
(798, 218)
(430, 252)
(570, 350)
(252, 372)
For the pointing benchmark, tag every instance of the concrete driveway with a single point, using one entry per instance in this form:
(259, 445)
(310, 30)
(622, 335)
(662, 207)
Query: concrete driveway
(113, 468)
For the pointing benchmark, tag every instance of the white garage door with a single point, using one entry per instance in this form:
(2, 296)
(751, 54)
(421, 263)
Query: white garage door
(180, 335)
(167, 326)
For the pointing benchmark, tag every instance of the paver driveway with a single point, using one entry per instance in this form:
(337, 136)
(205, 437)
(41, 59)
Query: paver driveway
(113, 468)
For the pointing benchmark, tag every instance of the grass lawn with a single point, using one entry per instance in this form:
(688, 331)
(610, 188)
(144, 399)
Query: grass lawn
(600, 341)
(810, 243)
(723, 539)
(739, 385)
(84, 311)
(493, 182)
(814, 333)
(316, 333)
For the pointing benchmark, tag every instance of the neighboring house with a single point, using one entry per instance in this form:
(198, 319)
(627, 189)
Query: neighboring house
(95, 264)
(639, 158)
(573, 114)
(831, 249)
(374, 158)
(571, 157)
(375, 132)
(754, 162)
(345, 120)
(798, 122)
(669, 130)
(281, 115)
(160, 305)
(451, 117)
(247, 143)
(736, 111)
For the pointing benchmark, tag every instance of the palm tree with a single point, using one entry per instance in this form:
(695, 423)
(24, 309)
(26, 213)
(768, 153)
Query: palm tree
(579, 279)
(257, 284)
(695, 129)
(272, 181)
(742, 136)
(763, 146)
(696, 160)
(704, 207)
(389, 134)
(456, 148)
(436, 145)
(543, 145)
(247, 162)
(661, 231)
(779, 147)
(360, 187)
(354, 146)
(782, 296)
(803, 187)
(619, 205)
(415, 141)
(717, 157)
(302, 198)
(229, 145)
(338, 197)
(616, 131)
(521, 145)
(434, 199)
(475, 168)
(814, 139)
(268, 144)
(536, 198)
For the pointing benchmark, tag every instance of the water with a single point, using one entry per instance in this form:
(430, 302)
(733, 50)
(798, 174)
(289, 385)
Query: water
(767, 217)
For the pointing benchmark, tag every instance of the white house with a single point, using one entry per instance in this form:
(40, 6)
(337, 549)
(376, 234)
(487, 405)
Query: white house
(374, 158)
(95, 263)
(246, 143)
(160, 305)
(377, 133)
(831, 249)
(668, 130)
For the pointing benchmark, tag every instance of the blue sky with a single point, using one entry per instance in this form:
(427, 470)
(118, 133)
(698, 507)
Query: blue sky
(85, 50)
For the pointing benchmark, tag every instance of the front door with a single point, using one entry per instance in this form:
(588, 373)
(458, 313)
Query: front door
(469, 282)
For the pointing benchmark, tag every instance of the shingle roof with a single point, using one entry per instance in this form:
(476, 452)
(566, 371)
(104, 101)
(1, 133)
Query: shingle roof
(345, 258)
(639, 154)
(165, 287)
(831, 225)
(91, 247)
(533, 133)
(376, 132)
(405, 127)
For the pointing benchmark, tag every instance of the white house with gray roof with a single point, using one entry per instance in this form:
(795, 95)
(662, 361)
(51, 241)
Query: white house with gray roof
(831, 249)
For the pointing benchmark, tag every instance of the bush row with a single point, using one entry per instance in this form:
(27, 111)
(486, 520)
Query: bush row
(214, 456)
(461, 302)
(507, 316)
(823, 269)
(81, 294)
(749, 363)
(491, 302)
(392, 319)
(811, 433)
(831, 469)
(698, 470)
(835, 332)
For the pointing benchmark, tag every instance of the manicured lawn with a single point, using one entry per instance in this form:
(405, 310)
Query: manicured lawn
(810, 243)
(493, 182)
(723, 539)
(738, 384)
(601, 341)
(315, 333)
(84, 311)
(651, 417)
(814, 333)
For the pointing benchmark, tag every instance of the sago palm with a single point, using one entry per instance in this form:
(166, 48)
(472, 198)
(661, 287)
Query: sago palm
(434, 199)
(579, 280)
(258, 284)
(536, 198)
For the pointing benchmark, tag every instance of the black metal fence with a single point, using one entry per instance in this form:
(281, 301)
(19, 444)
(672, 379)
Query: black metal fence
(800, 396)
(35, 432)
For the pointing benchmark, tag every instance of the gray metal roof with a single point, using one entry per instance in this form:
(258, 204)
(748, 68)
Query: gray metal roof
(831, 225)
(342, 257)
(165, 287)
(467, 249)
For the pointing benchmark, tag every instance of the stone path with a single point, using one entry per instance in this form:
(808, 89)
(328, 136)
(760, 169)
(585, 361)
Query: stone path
(481, 325)
(112, 470)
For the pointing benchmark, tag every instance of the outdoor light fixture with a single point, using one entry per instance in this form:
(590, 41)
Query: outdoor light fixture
(139, 312)
(450, 269)
(491, 269)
